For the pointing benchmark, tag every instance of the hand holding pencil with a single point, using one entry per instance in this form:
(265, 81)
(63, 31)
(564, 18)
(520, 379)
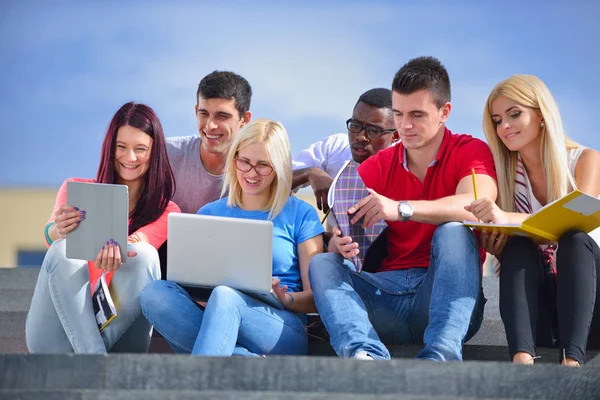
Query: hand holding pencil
(474, 182)
(483, 209)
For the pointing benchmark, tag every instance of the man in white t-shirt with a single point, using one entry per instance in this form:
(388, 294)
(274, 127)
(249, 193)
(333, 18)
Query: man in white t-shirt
(370, 129)
(222, 109)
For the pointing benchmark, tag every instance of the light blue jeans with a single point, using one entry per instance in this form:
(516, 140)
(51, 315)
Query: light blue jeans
(232, 323)
(61, 318)
(440, 306)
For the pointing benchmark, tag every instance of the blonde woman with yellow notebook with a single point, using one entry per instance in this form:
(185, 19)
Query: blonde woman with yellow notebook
(549, 293)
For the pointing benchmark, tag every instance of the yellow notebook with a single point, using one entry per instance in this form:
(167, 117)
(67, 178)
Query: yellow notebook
(576, 210)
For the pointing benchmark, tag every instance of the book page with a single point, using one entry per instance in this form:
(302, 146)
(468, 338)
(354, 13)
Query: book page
(584, 205)
(102, 302)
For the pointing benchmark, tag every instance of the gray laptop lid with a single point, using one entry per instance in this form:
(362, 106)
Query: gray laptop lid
(209, 251)
(107, 215)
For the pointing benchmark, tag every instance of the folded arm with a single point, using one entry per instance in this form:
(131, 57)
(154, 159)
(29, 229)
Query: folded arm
(452, 208)
(447, 209)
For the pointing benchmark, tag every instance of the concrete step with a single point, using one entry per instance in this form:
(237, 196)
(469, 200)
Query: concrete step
(11, 345)
(12, 332)
(18, 278)
(12, 323)
(205, 395)
(147, 372)
(15, 299)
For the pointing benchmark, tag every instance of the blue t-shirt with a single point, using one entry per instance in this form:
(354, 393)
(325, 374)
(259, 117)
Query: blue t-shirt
(296, 223)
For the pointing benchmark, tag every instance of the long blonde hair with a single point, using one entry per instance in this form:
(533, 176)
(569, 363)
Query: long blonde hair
(529, 91)
(274, 136)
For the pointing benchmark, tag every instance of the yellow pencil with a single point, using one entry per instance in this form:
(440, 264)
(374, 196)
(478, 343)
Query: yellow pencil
(474, 182)
(325, 216)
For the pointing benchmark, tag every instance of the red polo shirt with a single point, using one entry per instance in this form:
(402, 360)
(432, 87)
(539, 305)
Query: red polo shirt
(409, 243)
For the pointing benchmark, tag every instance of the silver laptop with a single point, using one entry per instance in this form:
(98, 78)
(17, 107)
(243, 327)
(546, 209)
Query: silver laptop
(208, 251)
(106, 217)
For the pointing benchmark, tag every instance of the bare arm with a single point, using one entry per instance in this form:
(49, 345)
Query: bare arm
(303, 302)
(451, 208)
(320, 182)
(300, 177)
(587, 172)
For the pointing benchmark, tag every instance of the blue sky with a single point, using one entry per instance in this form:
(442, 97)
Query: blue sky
(67, 66)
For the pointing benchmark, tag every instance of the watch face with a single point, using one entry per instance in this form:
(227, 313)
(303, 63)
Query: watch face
(405, 209)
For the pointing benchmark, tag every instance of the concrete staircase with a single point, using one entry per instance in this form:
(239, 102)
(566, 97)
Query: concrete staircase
(167, 376)
(16, 290)
(156, 376)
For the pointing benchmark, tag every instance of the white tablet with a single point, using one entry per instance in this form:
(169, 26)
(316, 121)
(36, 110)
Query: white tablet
(106, 217)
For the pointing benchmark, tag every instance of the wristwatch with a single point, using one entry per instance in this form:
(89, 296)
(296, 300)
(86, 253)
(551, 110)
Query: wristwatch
(405, 210)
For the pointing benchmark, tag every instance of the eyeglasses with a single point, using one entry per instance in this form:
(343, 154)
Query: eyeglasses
(261, 169)
(372, 132)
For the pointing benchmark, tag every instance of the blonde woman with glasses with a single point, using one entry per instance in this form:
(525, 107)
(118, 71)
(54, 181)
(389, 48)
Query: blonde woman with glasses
(548, 293)
(258, 178)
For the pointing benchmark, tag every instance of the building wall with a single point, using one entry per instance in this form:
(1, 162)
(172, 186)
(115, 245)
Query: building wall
(23, 213)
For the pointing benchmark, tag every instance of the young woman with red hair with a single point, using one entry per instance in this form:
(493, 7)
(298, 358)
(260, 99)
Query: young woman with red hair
(61, 317)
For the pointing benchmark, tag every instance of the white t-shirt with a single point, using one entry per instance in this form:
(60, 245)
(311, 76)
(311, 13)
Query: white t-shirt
(329, 154)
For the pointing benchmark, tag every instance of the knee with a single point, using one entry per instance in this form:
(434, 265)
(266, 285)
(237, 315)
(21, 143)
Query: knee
(573, 238)
(453, 239)
(55, 254)
(519, 254)
(224, 296)
(224, 292)
(454, 233)
(146, 260)
(145, 251)
(518, 245)
(323, 266)
(575, 245)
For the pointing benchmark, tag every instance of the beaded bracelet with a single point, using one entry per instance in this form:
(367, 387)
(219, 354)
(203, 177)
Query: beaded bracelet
(46, 232)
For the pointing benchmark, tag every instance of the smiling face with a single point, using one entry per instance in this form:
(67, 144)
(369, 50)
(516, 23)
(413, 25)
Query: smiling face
(417, 118)
(132, 154)
(363, 146)
(517, 126)
(251, 182)
(218, 123)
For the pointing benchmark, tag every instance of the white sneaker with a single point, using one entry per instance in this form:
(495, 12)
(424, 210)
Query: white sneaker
(362, 355)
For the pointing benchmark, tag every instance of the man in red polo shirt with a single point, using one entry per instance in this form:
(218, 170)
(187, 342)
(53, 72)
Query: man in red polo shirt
(428, 287)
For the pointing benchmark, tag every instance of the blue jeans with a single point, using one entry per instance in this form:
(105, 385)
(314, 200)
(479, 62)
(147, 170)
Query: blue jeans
(61, 317)
(440, 306)
(232, 323)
